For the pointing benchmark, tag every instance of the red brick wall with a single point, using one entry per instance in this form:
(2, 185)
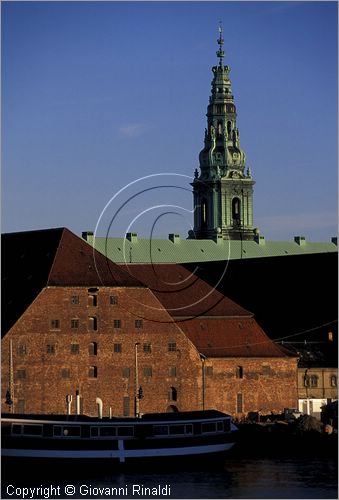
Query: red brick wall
(44, 390)
(266, 384)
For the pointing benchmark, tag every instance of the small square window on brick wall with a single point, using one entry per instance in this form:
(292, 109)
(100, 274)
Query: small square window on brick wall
(172, 346)
(50, 349)
(21, 373)
(75, 348)
(65, 373)
(117, 323)
(117, 348)
(148, 372)
(55, 324)
(147, 347)
(139, 323)
(113, 300)
(21, 349)
(75, 299)
(74, 323)
(93, 372)
(172, 371)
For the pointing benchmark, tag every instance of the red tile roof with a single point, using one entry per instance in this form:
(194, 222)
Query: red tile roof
(76, 263)
(182, 293)
(241, 337)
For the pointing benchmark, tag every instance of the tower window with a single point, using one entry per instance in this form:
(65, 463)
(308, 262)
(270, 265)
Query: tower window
(236, 209)
(229, 128)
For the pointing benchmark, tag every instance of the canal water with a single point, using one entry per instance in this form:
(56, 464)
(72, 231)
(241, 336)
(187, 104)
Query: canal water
(301, 477)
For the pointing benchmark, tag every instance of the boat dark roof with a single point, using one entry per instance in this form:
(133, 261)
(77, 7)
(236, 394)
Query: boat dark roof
(151, 417)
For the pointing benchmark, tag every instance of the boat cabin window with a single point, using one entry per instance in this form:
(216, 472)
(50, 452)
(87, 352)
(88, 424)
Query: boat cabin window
(181, 429)
(27, 430)
(165, 430)
(125, 431)
(66, 431)
(208, 427)
(160, 430)
(33, 430)
(107, 431)
(16, 429)
(227, 425)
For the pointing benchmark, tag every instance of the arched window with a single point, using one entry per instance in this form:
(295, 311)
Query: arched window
(92, 300)
(172, 395)
(93, 372)
(229, 128)
(236, 209)
(333, 381)
(92, 323)
(93, 349)
(313, 381)
(172, 409)
(239, 372)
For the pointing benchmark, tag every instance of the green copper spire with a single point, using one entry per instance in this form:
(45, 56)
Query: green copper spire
(223, 190)
(220, 52)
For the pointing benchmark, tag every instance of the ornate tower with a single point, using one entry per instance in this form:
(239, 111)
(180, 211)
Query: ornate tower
(223, 192)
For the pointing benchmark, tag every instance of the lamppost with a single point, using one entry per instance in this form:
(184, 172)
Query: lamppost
(136, 383)
(203, 359)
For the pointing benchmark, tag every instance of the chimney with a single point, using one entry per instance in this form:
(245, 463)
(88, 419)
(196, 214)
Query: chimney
(175, 238)
(300, 240)
(88, 236)
(132, 237)
(260, 239)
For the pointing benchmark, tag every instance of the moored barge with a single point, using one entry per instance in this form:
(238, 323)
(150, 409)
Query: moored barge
(181, 434)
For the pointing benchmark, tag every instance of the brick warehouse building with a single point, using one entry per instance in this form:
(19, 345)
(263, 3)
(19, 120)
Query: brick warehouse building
(75, 321)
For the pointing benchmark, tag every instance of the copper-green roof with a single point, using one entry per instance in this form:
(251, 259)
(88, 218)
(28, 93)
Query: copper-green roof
(174, 249)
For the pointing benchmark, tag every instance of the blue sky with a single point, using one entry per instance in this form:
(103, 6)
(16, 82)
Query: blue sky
(96, 95)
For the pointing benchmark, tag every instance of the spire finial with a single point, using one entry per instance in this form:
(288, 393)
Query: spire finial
(220, 52)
